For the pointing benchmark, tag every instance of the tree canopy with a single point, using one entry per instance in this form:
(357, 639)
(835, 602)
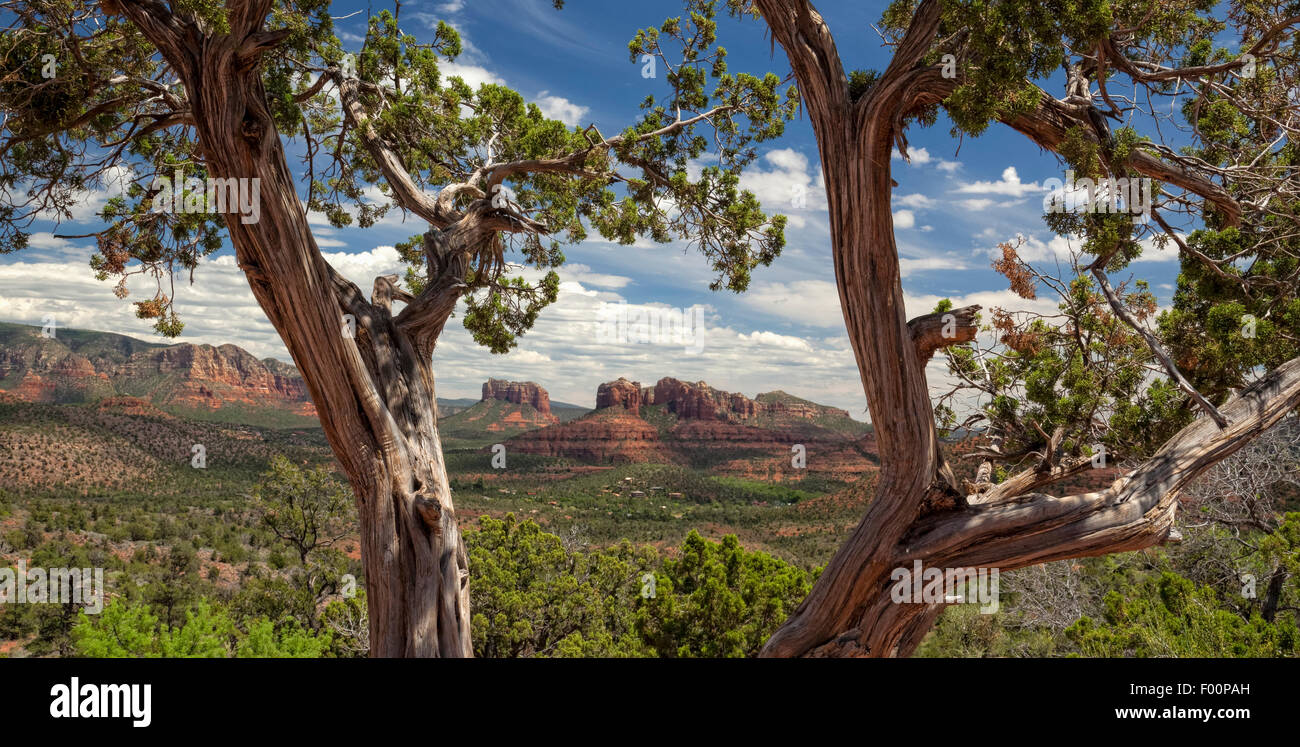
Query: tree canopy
(381, 128)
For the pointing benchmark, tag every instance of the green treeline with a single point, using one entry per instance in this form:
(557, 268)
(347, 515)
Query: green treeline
(277, 576)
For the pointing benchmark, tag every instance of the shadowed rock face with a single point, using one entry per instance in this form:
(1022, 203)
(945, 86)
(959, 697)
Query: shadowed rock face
(699, 401)
(621, 393)
(519, 393)
(609, 435)
(215, 377)
(79, 366)
(677, 421)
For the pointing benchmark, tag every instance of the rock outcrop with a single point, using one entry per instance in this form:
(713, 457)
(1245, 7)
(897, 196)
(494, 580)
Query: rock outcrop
(621, 393)
(610, 435)
(684, 422)
(518, 392)
(699, 401)
(76, 366)
(130, 406)
(507, 408)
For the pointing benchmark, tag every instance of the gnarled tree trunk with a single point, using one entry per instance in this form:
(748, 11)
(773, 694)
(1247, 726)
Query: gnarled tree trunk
(918, 511)
(374, 391)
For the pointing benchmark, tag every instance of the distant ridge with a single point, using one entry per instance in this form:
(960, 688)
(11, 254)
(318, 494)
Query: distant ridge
(685, 422)
(222, 383)
(227, 384)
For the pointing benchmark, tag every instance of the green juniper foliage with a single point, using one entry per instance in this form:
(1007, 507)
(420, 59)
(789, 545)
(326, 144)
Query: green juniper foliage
(535, 597)
(115, 117)
(1084, 378)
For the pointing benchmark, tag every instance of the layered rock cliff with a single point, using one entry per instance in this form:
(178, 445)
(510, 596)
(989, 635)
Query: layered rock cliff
(686, 422)
(224, 382)
(212, 378)
(507, 408)
(699, 401)
(621, 393)
(519, 393)
(610, 435)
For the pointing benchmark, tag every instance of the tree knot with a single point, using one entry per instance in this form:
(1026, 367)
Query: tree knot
(252, 128)
(430, 513)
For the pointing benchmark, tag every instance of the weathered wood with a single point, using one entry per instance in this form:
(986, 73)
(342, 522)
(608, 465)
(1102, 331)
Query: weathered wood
(936, 331)
(374, 391)
(916, 513)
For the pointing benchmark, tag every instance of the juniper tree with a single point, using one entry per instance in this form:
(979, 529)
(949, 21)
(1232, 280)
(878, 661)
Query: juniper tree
(231, 90)
(1145, 89)
(304, 508)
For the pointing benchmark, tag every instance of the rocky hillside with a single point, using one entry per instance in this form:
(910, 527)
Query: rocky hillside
(506, 409)
(699, 401)
(224, 383)
(683, 422)
(519, 393)
(126, 444)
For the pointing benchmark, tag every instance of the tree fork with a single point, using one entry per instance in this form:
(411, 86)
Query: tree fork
(374, 391)
(849, 611)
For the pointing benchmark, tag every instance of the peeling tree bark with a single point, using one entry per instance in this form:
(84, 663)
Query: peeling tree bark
(917, 511)
(374, 391)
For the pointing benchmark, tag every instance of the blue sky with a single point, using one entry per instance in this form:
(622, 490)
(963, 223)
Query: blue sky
(955, 201)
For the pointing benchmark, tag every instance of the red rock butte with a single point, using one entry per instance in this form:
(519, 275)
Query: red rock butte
(89, 367)
(677, 421)
(699, 401)
(519, 393)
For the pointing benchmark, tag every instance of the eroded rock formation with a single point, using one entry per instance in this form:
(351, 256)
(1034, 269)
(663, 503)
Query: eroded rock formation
(518, 392)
